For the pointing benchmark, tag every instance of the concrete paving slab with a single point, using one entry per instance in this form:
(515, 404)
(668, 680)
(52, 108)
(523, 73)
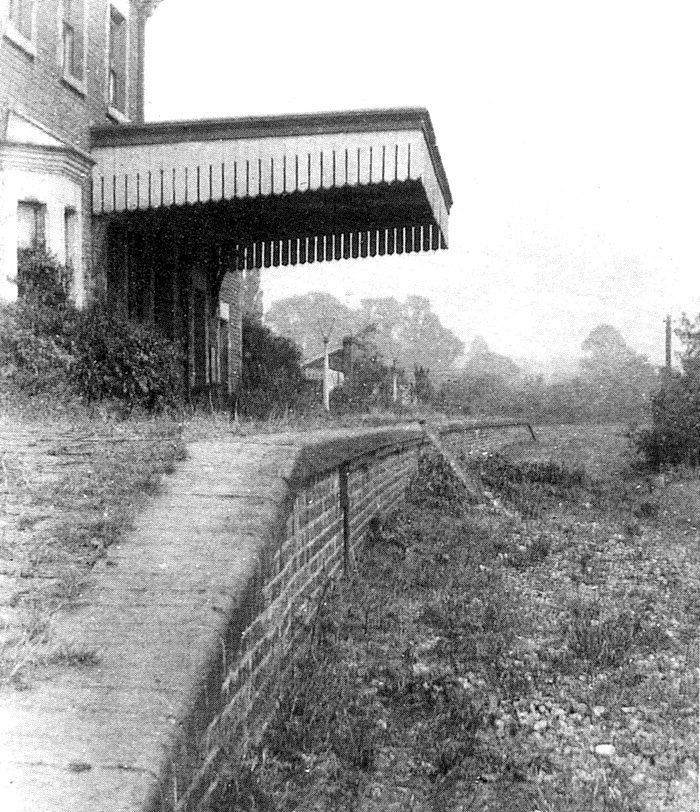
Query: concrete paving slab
(95, 738)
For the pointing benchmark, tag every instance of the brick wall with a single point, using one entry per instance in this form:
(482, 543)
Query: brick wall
(32, 84)
(337, 487)
(193, 617)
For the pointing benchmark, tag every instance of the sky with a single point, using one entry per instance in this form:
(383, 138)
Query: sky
(569, 131)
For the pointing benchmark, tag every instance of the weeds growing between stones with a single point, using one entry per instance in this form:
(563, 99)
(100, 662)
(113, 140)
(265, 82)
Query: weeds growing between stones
(491, 661)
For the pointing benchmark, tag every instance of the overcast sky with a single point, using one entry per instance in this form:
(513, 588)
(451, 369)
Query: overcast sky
(569, 131)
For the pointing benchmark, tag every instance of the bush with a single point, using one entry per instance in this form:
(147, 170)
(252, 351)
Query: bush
(31, 361)
(434, 484)
(35, 331)
(115, 359)
(49, 347)
(272, 381)
(674, 436)
(41, 280)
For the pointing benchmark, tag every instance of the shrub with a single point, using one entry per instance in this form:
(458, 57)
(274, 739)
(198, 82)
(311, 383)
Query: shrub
(41, 279)
(49, 347)
(116, 359)
(674, 436)
(271, 380)
(434, 484)
(526, 485)
(35, 351)
(31, 361)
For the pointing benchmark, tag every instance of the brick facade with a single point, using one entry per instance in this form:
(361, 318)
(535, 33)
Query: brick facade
(46, 114)
(35, 84)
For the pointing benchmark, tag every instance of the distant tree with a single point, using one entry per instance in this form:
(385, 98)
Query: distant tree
(618, 382)
(689, 334)
(298, 318)
(482, 361)
(606, 352)
(370, 382)
(409, 333)
(486, 383)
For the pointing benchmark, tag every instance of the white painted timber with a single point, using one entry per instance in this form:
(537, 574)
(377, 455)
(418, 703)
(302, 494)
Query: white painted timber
(154, 175)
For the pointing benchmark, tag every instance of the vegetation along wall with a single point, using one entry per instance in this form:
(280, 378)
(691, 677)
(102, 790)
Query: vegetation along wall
(193, 615)
(336, 488)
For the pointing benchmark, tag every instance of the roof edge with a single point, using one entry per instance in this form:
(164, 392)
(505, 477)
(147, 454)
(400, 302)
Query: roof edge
(321, 123)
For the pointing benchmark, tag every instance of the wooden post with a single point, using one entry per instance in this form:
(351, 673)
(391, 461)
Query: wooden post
(326, 335)
(347, 361)
(349, 562)
(326, 376)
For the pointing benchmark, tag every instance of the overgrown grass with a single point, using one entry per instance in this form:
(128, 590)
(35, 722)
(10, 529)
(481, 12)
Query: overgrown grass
(72, 479)
(528, 485)
(71, 483)
(490, 660)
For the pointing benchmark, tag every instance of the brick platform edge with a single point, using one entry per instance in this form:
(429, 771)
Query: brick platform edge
(193, 616)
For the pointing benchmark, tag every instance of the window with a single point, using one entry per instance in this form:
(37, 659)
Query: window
(71, 238)
(31, 225)
(73, 40)
(116, 92)
(22, 17)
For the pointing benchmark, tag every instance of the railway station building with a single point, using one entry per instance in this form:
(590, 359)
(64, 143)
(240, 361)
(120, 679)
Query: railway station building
(161, 221)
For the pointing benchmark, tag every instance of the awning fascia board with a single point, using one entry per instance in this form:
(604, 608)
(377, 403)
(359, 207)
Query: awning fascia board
(302, 125)
(184, 164)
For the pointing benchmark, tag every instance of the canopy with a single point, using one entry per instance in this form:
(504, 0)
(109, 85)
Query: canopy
(298, 188)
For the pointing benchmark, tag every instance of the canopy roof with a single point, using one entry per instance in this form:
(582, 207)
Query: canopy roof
(298, 188)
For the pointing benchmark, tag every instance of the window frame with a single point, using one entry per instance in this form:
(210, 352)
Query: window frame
(117, 13)
(73, 18)
(15, 34)
(39, 227)
(71, 239)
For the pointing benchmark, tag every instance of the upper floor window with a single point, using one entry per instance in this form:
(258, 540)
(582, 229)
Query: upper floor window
(117, 61)
(73, 40)
(21, 18)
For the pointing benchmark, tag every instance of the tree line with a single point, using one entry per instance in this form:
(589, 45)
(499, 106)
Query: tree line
(406, 342)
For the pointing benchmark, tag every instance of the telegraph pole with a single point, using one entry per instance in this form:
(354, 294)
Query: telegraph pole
(326, 366)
